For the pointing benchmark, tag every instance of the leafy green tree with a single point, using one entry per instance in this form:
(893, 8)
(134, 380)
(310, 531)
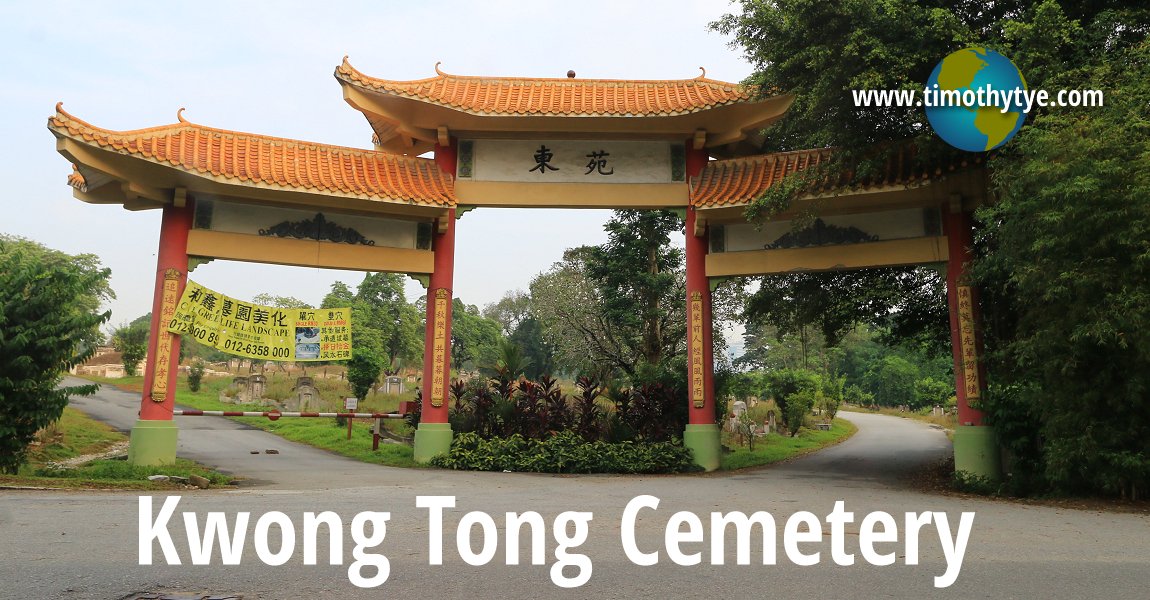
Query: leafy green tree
(510, 311)
(785, 384)
(1070, 256)
(641, 284)
(892, 382)
(540, 357)
(131, 341)
(340, 295)
(47, 319)
(281, 301)
(1062, 249)
(381, 318)
(566, 303)
(475, 339)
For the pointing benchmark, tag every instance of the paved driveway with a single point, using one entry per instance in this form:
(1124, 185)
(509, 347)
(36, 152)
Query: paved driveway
(85, 545)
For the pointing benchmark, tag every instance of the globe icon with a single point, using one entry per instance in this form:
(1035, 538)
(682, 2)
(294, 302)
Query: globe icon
(973, 127)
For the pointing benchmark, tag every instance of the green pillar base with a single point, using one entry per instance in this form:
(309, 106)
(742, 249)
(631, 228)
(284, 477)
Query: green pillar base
(153, 443)
(976, 451)
(432, 439)
(703, 441)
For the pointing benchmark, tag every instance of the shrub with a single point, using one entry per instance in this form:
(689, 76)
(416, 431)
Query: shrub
(195, 375)
(565, 452)
(785, 383)
(797, 408)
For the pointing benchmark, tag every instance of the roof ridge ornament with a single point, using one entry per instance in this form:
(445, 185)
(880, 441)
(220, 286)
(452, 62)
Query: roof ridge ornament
(180, 115)
(702, 75)
(437, 70)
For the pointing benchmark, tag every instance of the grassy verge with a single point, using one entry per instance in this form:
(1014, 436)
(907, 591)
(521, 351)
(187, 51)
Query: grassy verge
(76, 435)
(317, 432)
(774, 448)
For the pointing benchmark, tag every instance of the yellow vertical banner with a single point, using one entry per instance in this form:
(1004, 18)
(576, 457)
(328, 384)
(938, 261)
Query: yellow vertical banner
(439, 348)
(162, 357)
(697, 357)
(970, 379)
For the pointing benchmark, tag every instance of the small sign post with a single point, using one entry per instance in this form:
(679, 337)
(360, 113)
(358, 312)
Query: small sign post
(350, 405)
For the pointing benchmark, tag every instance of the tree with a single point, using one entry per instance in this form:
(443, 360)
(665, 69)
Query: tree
(131, 341)
(1070, 254)
(281, 301)
(892, 382)
(641, 284)
(380, 309)
(538, 354)
(510, 311)
(475, 339)
(1062, 251)
(47, 315)
(566, 303)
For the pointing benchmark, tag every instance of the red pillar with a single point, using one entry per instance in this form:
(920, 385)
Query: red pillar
(154, 436)
(433, 437)
(700, 351)
(962, 299)
(171, 264)
(975, 444)
(437, 337)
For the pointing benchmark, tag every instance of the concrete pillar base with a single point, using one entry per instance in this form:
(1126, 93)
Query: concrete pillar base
(153, 443)
(703, 441)
(432, 439)
(976, 451)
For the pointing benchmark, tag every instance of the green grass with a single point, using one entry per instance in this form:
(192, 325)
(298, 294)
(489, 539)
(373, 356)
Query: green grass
(774, 448)
(324, 434)
(318, 432)
(77, 434)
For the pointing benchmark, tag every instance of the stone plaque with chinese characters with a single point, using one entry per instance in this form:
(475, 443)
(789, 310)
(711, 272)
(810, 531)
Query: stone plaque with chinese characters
(696, 340)
(569, 161)
(439, 347)
(970, 380)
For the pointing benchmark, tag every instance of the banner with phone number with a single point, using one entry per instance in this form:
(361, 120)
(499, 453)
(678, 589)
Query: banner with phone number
(262, 332)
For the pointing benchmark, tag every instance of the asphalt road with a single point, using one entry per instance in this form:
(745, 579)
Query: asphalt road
(85, 545)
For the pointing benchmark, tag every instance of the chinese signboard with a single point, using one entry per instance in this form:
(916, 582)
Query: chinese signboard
(263, 332)
(969, 351)
(169, 297)
(696, 340)
(439, 348)
(570, 161)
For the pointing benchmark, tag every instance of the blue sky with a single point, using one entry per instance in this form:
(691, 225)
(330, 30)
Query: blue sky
(267, 68)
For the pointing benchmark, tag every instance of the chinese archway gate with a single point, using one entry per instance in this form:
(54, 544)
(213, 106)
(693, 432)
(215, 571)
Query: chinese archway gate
(687, 145)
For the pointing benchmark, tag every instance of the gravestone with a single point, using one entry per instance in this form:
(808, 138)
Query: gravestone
(306, 397)
(256, 386)
(393, 385)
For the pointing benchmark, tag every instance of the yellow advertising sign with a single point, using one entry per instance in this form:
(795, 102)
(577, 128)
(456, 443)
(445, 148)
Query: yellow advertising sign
(263, 332)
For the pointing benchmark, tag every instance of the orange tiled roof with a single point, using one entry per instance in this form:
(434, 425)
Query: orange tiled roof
(738, 181)
(270, 161)
(557, 97)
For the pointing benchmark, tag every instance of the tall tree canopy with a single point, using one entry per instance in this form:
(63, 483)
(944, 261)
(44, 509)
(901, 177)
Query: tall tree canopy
(48, 321)
(1064, 301)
